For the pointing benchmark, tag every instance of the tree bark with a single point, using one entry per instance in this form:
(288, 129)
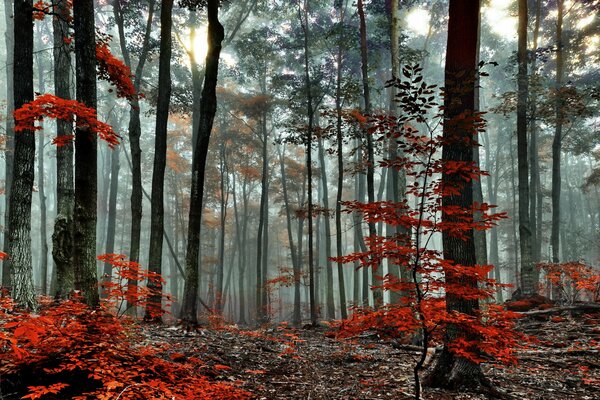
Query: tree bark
(377, 293)
(557, 142)
(452, 371)
(208, 108)
(10, 131)
(111, 225)
(85, 217)
(19, 226)
(134, 129)
(296, 314)
(42, 196)
(160, 159)
(535, 204)
(62, 237)
(528, 275)
(329, 303)
(304, 20)
(340, 162)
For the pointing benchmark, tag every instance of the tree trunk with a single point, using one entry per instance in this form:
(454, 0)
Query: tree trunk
(19, 226)
(452, 371)
(260, 310)
(557, 142)
(478, 235)
(296, 314)
(340, 162)
(111, 225)
(135, 130)
(534, 185)
(396, 186)
(224, 197)
(304, 20)
(208, 108)
(42, 196)
(330, 305)
(375, 273)
(160, 159)
(10, 131)
(528, 275)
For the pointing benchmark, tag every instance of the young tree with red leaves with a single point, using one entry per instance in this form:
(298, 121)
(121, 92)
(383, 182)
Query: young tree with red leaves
(452, 370)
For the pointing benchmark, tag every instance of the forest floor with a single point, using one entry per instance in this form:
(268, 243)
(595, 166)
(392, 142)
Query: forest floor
(284, 363)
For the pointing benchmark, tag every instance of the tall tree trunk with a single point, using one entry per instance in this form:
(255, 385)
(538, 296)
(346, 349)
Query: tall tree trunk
(528, 275)
(224, 197)
(534, 185)
(134, 129)
(19, 224)
(479, 235)
(260, 310)
(160, 158)
(557, 142)
(240, 243)
(453, 371)
(304, 20)
(208, 108)
(330, 305)
(9, 148)
(375, 273)
(42, 195)
(340, 162)
(396, 186)
(85, 217)
(492, 188)
(111, 225)
(296, 314)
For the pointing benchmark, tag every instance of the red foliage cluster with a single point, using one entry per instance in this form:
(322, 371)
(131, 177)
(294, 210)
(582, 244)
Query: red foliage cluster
(68, 350)
(574, 281)
(113, 70)
(50, 106)
(124, 290)
(42, 8)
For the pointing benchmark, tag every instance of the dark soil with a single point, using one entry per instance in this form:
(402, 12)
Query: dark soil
(282, 363)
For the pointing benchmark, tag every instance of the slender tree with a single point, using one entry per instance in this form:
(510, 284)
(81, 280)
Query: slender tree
(160, 156)
(528, 275)
(208, 108)
(304, 20)
(377, 293)
(134, 127)
(557, 142)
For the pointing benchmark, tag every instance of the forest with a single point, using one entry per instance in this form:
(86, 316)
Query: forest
(270, 199)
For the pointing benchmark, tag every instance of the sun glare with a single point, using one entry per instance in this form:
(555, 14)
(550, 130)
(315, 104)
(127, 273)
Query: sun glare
(417, 21)
(499, 18)
(200, 47)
